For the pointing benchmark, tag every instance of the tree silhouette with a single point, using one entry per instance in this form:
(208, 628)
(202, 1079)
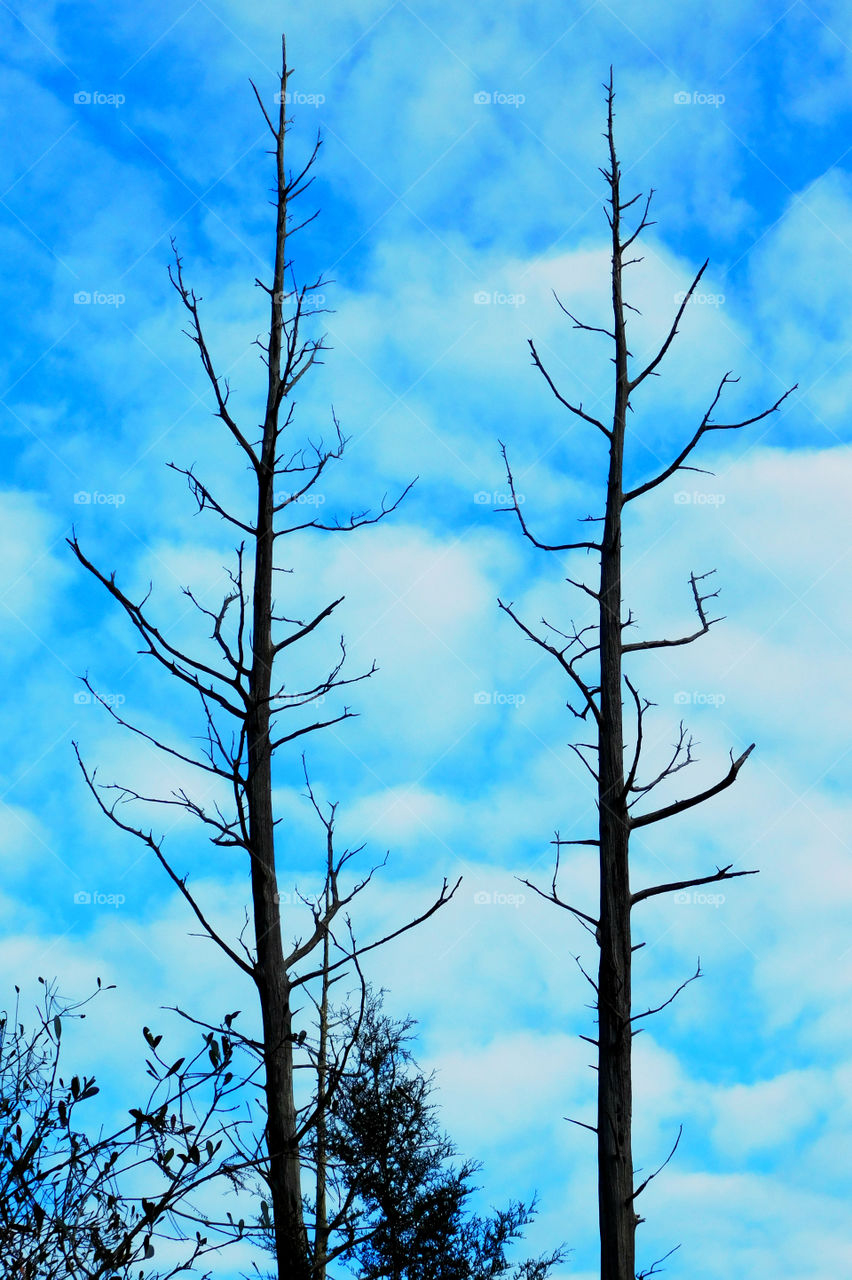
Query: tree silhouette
(592, 659)
(250, 705)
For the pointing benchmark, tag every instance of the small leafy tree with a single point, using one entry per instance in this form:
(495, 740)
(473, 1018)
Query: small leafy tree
(76, 1201)
(403, 1200)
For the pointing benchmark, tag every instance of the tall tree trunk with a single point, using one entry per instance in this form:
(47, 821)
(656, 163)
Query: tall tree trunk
(615, 1085)
(271, 974)
(244, 689)
(272, 980)
(615, 783)
(321, 1231)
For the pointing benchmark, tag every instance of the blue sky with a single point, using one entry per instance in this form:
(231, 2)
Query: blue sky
(126, 126)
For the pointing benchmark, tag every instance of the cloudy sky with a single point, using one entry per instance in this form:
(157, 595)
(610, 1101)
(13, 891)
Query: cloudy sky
(459, 187)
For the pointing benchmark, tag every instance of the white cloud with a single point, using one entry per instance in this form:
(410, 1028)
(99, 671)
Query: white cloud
(769, 1115)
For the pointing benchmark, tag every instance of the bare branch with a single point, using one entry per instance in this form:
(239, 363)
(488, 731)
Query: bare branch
(588, 922)
(205, 498)
(587, 976)
(577, 749)
(680, 805)
(173, 659)
(649, 368)
(148, 839)
(640, 710)
(592, 1128)
(227, 774)
(700, 599)
(651, 1176)
(643, 222)
(655, 1267)
(636, 1016)
(578, 324)
(721, 873)
(575, 409)
(306, 628)
(558, 654)
(683, 747)
(543, 546)
(442, 899)
(581, 586)
(706, 425)
(191, 301)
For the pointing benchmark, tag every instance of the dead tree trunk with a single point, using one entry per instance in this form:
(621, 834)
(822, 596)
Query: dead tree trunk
(271, 975)
(321, 1227)
(615, 1087)
(602, 701)
(244, 703)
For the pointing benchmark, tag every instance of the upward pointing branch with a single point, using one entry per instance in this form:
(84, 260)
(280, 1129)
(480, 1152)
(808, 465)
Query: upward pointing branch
(577, 410)
(680, 806)
(705, 426)
(649, 368)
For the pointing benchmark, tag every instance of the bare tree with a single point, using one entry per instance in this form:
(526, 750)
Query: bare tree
(250, 711)
(598, 689)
